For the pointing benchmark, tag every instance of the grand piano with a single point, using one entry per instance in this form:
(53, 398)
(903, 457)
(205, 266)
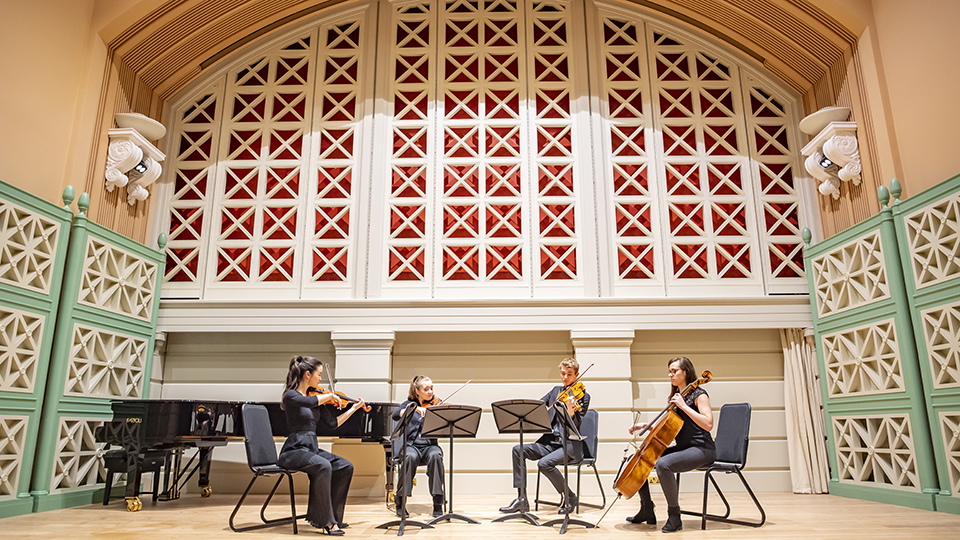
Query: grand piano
(152, 430)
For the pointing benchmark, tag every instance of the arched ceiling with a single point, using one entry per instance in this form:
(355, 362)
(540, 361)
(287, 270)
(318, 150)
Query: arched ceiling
(159, 46)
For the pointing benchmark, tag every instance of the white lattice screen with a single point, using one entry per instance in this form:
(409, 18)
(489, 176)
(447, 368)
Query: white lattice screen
(13, 435)
(850, 276)
(105, 364)
(77, 460)
(941, 331)
(20, 335)
(481, 168)
(863, 360)
(28, 245)
(950, 428)
(117, 281)
(876, 450)
(933, 234)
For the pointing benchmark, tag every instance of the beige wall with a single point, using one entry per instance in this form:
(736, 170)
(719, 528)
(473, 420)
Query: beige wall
(918, 42)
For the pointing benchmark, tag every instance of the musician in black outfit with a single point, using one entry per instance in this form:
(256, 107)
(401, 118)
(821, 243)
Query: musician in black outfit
(420, 451)
(548, 448)
(330, 475)
(694, 448)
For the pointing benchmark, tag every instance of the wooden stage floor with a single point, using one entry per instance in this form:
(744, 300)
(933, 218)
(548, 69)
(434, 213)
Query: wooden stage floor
(793, 517)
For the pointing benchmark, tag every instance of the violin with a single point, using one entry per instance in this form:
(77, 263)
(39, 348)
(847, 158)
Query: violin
(434, 401)
(341, 395)
(577, 390)
(321, 391)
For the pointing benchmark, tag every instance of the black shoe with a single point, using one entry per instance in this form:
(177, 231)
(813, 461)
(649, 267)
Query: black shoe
(437, 511)
(645, 515)
(569, 505)
(343, 525)
(402, 513)
(333, 532)
(518, 505)
(674, 523)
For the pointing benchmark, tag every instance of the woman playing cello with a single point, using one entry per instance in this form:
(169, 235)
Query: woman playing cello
(330, 475)
(694, 446)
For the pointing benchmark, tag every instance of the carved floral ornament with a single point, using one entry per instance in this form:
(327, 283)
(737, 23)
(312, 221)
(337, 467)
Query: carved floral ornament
(834, 154)
(132, 160)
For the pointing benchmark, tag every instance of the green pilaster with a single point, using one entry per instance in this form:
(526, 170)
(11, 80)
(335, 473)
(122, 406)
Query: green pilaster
(38, 305)
(944, 399)
(58, 404)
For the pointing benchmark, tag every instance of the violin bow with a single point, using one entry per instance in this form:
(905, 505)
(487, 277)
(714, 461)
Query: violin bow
(455, 391)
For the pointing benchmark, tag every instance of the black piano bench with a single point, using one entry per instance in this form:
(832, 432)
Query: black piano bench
(115, 462)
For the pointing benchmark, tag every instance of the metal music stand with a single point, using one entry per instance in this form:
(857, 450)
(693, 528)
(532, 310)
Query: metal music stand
(451, 421)
(400, 432)
(569, 432)
(519, 416)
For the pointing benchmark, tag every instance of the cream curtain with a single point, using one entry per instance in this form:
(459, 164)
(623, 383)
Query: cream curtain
(806, 443)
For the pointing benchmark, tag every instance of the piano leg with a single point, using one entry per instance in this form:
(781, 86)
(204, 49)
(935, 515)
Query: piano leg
(132, 495)
(390, 469)
(206, 457)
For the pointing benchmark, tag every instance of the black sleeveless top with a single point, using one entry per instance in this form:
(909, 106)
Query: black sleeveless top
(691, 434)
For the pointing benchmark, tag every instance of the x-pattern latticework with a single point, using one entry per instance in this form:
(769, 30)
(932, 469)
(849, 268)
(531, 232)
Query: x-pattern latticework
(28, 246)
(77, 460)
(933, 234)
(876, 450)
(20, 335)
(941, 330)
(412, 92)
(850, 276)
(950, 429)
(13, 436)
(118, 281)
(863, 360)
(105, 364)
(698, 108)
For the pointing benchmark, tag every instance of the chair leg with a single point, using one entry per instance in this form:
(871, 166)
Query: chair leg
(293, 503)
(239, 504)
(536, 496)
(599, 484)
(708, 477)
(106, 488)
(266, 522)
(763, 515)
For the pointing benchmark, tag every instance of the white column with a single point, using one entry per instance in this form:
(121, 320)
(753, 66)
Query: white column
(364, 363)
(156, 370)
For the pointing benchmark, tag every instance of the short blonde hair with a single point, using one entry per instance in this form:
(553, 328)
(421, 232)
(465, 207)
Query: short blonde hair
(570, 363)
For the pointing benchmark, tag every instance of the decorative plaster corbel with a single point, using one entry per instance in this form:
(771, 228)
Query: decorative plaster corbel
(833, 154)
(132, 161)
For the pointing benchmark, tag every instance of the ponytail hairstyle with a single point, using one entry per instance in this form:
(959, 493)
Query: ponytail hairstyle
(416, 384)
(689, 372)
(299, 366)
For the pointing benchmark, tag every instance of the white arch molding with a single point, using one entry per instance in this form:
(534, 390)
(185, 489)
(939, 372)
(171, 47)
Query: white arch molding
(476, 151)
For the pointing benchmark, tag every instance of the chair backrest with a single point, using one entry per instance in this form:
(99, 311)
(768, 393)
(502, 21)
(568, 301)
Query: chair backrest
(588, 429)
(733, 433)
(261, 450)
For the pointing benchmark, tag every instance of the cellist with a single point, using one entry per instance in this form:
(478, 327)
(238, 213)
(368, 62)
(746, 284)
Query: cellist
(548, 448)
(694, 446)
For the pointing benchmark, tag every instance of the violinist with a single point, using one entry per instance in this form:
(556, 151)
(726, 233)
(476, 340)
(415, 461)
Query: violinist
(548, 448)
(420, 451)
(694, 448)
(330, 475)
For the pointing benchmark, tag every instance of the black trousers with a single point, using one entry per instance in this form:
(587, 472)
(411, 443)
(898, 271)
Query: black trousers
(330, 477)
(432, 457)
(549, 456)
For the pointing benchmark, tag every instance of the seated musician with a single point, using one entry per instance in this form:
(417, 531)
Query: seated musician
(694, 446)
(420, 451)
(330, 475)
(548, 448)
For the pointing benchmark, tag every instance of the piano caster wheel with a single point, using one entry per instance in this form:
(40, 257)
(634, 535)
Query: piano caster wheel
(134, 504)
(206, 491)
(391, 497)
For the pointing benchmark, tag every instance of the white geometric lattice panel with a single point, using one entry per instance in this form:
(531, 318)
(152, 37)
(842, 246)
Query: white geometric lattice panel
(950, 428)
(876, 450)
(77, 462)
(13, 435)
(933, 233)
(863, 360)
(20, 335)
(105, 364)
(941, 331)
(850, 276)
(117, 281)
(28, 245)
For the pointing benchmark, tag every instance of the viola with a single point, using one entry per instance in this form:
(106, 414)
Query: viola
(633, 472)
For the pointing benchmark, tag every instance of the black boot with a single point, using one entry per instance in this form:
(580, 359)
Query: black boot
(645, 515)
(437, 505)
(673, 520)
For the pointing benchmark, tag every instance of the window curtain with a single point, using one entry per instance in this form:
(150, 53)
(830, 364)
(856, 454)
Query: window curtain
(806, 439)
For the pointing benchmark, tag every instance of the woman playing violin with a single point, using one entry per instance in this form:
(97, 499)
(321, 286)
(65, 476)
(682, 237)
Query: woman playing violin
(330, 475)
(694, 446)
(420, 451)
(548, 449)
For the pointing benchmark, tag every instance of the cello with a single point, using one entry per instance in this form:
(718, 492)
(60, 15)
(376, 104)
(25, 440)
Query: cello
(660, 433)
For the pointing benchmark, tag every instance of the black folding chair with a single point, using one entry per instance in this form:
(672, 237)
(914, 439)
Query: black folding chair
(588, 429)
(733, 436)
(262, 460)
